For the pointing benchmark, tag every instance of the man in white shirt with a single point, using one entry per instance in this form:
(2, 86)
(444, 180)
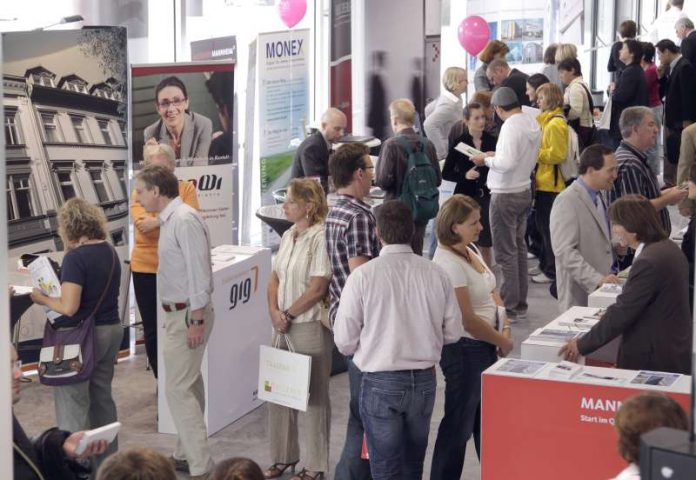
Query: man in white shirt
(509, 180)
(663, 26)
(395, 334)
(185, 283)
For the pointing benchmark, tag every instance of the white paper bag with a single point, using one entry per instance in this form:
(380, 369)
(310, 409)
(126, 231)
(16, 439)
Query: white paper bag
(605, 121)
(284, 376)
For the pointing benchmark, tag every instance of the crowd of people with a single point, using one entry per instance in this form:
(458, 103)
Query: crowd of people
(356, 277)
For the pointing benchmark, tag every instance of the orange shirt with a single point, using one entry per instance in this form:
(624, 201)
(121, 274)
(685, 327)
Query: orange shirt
(144, 255)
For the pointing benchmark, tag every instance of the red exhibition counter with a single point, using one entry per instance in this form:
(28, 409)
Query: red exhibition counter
(537, 426)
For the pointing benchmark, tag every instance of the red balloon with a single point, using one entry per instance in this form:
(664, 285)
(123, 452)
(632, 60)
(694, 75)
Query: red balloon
(473, 34)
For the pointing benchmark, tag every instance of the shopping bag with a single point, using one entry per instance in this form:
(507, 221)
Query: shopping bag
(284, 375)
(605, 120)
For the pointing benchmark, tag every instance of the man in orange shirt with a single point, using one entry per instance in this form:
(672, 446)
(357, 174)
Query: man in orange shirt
(144, 257)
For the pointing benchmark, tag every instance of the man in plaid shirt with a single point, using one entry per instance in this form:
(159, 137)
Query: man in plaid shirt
(351, 240)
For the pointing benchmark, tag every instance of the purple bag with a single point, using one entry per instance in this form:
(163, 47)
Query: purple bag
(67, 354)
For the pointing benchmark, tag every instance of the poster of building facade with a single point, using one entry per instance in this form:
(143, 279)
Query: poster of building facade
(190, 108)
(283, 76)
(525, 39)
(66, 110)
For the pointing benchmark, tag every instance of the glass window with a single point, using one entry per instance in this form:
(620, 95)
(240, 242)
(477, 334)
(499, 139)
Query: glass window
(13, 135)
(44, 80)
(100, 188)
(19, 203)
(81, 131)
(118, 238)
(65, 183)
(121, 175)
(104, 127)
(50, 125)
(606, 36)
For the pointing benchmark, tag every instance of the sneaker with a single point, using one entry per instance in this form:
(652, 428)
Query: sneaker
(179, 464)
(533, 271)
(541, 278)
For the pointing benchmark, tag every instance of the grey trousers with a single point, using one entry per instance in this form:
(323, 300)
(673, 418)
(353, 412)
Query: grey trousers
(185, 391)
(315, 340)
(88, 405)
(508, 217)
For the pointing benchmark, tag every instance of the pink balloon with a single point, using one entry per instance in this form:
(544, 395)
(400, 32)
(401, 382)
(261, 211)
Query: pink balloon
(473, 34)
(292, 11)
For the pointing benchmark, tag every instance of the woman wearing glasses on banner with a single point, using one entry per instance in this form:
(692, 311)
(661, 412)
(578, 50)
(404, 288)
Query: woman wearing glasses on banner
(188, 133)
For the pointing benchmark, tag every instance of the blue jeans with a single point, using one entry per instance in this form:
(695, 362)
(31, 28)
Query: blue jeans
(396, 408)
(351, 466)
(462, 364)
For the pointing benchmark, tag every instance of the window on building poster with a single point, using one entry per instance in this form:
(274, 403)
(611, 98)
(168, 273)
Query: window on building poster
(106, 133)
(44, 80)
(19, 203)
(121, 175)
(13, 133)
(96, 173)
(66, 183)
(81, 131)
(51, 129)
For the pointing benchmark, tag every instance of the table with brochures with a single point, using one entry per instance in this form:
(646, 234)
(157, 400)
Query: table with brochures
(543, 421)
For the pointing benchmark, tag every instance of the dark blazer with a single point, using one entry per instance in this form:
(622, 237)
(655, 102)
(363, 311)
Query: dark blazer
(195, 138)
(392, 163)
(44, 453)
(614, 65)
(688, 47)
(631, 90)
(518, 82)
(652, 313)
(312, 159)
(457, 164)
(678, 90)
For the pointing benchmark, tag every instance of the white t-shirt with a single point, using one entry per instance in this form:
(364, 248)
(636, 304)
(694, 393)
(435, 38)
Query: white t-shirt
(479, 285)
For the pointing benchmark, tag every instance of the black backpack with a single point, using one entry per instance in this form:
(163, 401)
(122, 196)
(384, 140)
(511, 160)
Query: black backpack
(419, 188)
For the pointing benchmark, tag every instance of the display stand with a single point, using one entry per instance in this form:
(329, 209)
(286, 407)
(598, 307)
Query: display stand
(535, 426)
(231, 361)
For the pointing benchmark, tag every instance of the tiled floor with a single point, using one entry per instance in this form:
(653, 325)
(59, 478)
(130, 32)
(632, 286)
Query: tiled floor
(135, 394)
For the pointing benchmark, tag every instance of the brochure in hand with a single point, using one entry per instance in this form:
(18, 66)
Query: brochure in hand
(45, 279)
(467, 150)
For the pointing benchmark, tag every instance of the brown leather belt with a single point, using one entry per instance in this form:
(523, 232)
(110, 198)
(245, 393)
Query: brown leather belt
(173, 307)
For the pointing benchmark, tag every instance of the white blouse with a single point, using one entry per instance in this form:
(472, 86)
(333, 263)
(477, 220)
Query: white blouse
(480, 285)
(299, 258)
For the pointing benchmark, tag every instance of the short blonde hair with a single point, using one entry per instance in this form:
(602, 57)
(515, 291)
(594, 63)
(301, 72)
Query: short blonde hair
(150, 151)
(492, 49)
(566, 50)
(451, 77)
(309, 191)
(77, 219)
(403, 111)
(553, 94)
(454, 211)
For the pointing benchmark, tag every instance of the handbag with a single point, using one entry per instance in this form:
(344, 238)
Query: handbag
(284, 375)
(67, 354)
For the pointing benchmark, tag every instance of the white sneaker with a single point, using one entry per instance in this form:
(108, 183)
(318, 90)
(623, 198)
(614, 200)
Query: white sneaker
(541, 278)
(534, 271)
(530, 256)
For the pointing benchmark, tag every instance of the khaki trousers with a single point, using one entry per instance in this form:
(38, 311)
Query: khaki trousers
(311, 339)
(184, 390)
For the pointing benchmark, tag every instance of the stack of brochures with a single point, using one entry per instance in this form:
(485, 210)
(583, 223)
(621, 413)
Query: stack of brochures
(552, 335)
(565, 370)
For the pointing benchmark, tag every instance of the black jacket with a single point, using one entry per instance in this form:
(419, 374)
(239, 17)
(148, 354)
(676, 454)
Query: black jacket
(312, 160)
(678, 90)
(652, 313)
(518, 82)
(457, 164)
(631, 91)
(44, 453)
(688, 47)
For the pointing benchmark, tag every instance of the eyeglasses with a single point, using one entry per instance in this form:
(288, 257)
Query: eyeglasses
(175, 102)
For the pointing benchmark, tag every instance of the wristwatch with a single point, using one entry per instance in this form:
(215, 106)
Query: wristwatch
(197, 323)
(289, 315)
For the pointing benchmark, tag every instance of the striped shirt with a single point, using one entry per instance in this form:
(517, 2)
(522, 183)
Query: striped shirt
(350, 232)
(636, 177)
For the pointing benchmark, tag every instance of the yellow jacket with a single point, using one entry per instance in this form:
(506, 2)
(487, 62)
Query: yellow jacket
(553, 151)
(144, 257)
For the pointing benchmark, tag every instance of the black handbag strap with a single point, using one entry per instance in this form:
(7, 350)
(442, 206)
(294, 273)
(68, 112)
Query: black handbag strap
(108, 283)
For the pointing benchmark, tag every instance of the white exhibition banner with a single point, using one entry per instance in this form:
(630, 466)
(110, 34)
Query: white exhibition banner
(283, 74)
(215, 186)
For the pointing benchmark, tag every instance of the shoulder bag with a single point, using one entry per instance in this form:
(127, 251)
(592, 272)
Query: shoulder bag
(67, 354)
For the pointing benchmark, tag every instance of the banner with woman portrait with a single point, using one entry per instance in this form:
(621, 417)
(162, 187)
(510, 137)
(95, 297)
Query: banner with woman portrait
(189, 107)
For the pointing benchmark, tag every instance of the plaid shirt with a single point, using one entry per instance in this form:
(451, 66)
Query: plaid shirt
(636, 177)
(350, 232)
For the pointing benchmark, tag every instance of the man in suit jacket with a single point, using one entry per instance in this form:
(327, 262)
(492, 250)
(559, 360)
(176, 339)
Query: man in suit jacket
(501, 75)
(652, 312)
(312, 156)
(687, 158)
(676, 87)
(580, 234)
(448, 110)
(687, 35)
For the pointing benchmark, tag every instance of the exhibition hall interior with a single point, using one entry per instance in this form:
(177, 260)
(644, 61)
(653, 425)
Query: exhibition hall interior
(348, 239)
